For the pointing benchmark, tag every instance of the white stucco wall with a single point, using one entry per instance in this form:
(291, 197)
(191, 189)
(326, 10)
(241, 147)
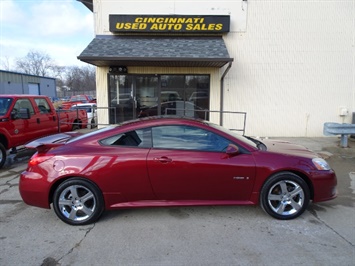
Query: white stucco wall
(294, 61)
(294, 66)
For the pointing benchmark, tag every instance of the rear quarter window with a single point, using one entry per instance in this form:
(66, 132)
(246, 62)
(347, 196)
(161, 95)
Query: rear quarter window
(136, 138)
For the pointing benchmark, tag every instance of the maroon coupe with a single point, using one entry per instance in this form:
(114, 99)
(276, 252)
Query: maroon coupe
(167, 161)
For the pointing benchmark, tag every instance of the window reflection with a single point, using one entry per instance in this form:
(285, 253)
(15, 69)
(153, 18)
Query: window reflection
(133, 96)
(188, 138)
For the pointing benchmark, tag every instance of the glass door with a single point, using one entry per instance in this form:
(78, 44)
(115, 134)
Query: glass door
(121, 97)
(129, 95)
(147, 88)
(172, 95)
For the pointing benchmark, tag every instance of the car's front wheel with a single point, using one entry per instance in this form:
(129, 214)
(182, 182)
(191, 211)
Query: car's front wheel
(285, 196)
(77, 202)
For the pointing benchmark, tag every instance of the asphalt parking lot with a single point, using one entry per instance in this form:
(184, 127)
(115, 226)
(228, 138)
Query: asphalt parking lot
(237, 235)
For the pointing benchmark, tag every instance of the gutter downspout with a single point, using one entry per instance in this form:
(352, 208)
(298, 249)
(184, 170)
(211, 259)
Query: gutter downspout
(222, 93)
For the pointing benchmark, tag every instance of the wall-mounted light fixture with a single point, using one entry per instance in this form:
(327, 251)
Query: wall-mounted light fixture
(118, 69)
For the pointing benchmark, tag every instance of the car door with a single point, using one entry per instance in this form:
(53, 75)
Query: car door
(126, 173)
(190, 163)
(46, 117)
(22, 130)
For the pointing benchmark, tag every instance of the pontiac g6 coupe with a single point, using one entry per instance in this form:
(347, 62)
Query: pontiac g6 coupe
(168, 161)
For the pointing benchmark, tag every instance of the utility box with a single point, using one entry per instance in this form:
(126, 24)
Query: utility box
(343, 111)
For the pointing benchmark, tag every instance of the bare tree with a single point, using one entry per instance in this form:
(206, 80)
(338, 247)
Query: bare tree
(5, 63)
(81, 78)
(89, 77)
(77, 79)
(35, 63)
(59, 73)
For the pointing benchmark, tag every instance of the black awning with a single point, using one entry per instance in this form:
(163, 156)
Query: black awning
(156, 51)
(88, 4)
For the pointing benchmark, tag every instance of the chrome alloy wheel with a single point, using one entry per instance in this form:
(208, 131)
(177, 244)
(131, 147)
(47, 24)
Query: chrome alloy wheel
(286, 197)
(77, 203)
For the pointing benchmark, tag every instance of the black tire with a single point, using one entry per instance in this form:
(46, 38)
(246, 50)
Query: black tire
(92, 124)
(285, 196)
(76, 126)
(2, 155)
(78, 202)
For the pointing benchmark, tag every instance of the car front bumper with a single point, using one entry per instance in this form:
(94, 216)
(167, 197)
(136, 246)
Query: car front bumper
(324, 185)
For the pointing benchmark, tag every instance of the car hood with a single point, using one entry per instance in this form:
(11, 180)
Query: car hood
(288, 148)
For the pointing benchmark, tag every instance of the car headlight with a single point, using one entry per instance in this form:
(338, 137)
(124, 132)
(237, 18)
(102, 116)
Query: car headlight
(321, 164)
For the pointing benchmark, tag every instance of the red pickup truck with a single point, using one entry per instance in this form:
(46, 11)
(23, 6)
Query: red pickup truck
(76, 99)
(27, 117)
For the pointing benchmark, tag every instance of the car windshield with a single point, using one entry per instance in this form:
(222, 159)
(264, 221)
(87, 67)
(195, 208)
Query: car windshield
(5, 104)
(247, 140)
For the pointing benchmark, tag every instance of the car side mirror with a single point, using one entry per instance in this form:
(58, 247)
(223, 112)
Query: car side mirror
(24, 113)
(232, 150)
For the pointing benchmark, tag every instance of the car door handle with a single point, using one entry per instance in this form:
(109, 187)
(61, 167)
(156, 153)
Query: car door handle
(163, 159)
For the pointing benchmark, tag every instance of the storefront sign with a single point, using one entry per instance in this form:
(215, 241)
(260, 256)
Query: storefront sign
(169, 24)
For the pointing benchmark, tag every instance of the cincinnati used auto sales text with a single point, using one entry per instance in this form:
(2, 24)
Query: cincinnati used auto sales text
(177, 24)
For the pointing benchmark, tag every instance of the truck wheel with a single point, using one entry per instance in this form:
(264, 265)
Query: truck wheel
(92, 124)
(2, 155)
(75, 127)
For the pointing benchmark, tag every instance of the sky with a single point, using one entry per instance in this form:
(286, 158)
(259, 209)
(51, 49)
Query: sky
(60, 28)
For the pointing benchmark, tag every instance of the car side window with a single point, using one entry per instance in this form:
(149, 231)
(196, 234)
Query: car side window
(138, 138)
(23, 103)
(43, 106)
(188, 138)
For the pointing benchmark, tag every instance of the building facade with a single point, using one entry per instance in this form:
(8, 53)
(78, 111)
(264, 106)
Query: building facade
(290, 65)
(19, 83)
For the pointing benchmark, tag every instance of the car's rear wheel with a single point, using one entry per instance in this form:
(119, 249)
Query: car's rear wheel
(78, 202)
(285, 196)
(75, 126)
(2, 155)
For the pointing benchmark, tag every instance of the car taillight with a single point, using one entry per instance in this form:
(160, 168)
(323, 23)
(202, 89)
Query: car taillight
(38, 158)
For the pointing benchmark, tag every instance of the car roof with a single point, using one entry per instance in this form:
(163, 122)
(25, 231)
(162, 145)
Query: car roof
(150, 121)
(163, 118)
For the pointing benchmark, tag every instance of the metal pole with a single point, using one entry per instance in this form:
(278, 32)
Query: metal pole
(222, 93)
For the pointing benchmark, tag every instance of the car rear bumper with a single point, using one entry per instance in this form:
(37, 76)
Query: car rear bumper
(34, 189)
